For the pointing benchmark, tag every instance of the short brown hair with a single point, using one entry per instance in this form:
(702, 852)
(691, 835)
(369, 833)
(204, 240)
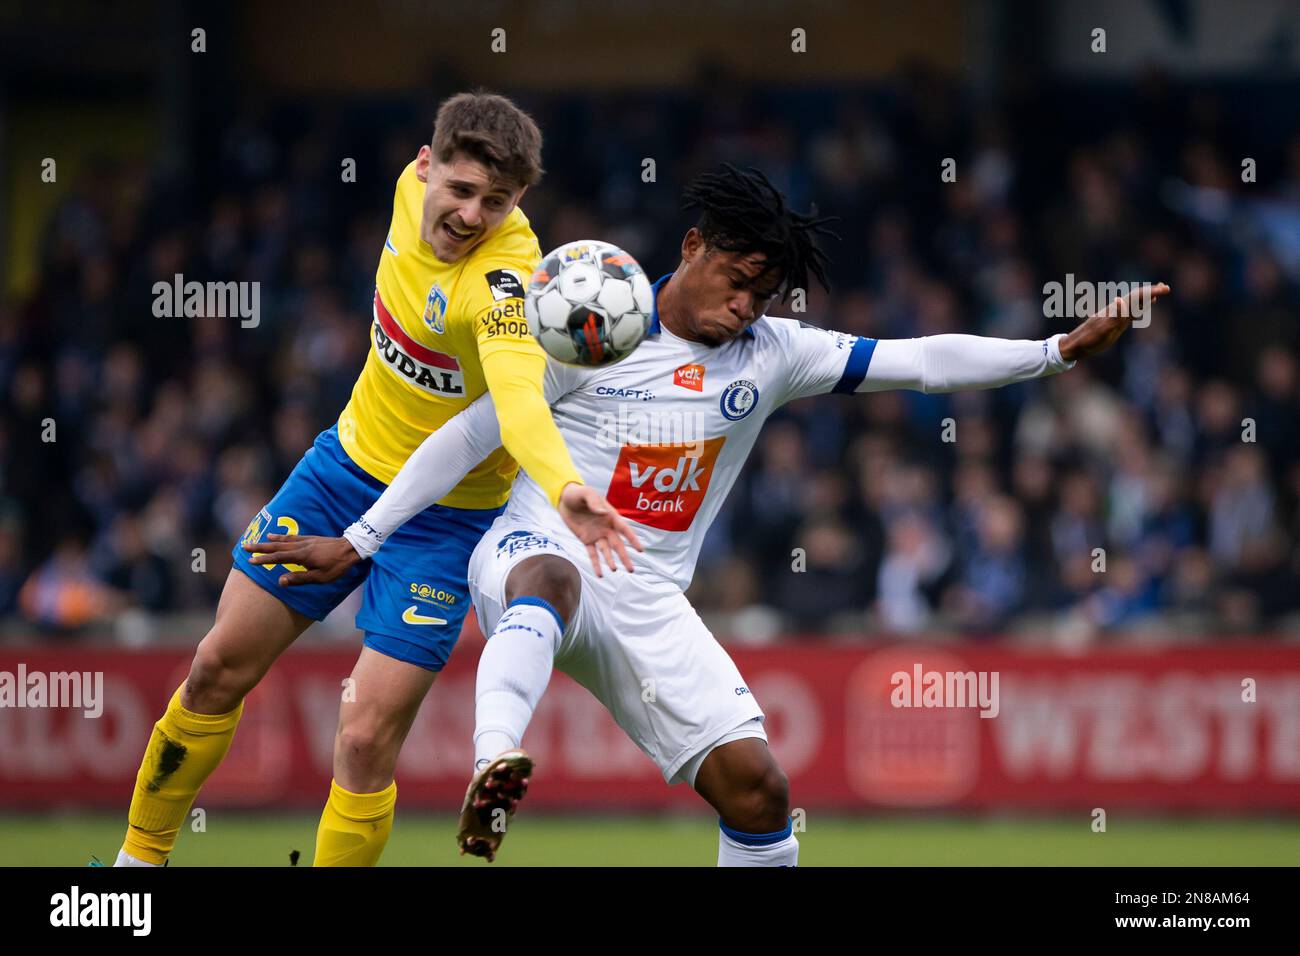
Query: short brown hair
(492, 130)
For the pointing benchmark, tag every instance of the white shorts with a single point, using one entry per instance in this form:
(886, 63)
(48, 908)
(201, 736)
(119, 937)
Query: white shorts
(637, 645)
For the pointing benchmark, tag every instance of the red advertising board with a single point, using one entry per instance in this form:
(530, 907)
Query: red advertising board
(1206, 727)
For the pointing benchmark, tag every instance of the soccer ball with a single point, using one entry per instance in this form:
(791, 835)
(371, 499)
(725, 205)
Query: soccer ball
(589, 303)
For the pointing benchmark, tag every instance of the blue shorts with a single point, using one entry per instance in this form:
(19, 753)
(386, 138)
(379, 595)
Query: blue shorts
(416, 595)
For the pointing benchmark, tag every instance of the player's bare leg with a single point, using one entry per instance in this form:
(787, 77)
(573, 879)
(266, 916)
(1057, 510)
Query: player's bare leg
(743, 782)
(375, 716)
(251, 630)
(541, 596)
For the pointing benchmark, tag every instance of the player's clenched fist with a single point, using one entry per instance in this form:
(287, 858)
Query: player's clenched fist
(324, 559)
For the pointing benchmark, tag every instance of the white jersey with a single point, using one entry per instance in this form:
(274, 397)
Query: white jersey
(665, 432)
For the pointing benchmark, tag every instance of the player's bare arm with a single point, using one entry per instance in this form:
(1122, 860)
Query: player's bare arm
(584, 510)
(434, 468)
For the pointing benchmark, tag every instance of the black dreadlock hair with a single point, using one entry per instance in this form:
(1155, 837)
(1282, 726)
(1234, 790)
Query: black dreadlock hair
(741, 211)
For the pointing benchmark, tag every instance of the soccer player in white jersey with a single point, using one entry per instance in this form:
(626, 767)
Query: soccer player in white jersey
(713, 367)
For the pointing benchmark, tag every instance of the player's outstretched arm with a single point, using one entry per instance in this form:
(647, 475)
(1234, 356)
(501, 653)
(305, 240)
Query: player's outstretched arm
(433, 470)
(952, 362)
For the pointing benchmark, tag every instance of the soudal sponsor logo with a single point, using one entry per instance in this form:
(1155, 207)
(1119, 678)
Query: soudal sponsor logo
(663, 486)
(424, 368)
(690, 376)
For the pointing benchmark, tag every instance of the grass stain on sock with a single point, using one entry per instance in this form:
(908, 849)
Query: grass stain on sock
(171, 756)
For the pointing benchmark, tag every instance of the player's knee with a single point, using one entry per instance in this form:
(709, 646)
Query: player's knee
(215, 684)
(365, 755)
(552, 579)
(760, 801)
(772, 796)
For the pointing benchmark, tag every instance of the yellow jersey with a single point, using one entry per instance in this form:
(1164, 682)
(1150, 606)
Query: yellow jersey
(442, 334)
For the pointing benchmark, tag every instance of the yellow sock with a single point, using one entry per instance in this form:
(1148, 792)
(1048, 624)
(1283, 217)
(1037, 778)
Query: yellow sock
(184, 750)
(354, 827)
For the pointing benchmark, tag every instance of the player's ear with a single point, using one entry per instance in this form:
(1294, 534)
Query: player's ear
(423, 160)
(520, 196)
(692, 244)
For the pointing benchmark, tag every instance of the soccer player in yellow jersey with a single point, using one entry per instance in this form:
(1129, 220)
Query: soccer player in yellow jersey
(448, 324)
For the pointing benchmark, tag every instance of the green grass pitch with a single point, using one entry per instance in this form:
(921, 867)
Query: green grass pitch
(544, 840)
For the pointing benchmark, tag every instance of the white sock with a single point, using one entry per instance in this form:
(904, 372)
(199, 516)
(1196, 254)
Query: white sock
(126, 859)
(512, 675)
(757, 849)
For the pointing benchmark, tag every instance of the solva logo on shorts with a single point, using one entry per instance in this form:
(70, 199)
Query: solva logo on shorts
(663, 485)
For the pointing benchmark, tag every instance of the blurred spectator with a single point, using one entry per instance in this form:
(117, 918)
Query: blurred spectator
(917, 557)
(64, 594)
(991, 585)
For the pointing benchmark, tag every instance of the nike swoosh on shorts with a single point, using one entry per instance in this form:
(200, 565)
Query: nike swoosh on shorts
(410, 617)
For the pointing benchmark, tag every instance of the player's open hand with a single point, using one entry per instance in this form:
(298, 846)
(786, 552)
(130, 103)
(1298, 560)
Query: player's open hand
(307, 559)
(597, 525)
(1099, 332)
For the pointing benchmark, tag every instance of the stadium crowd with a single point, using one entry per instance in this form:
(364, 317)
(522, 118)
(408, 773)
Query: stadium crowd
(1156, 488)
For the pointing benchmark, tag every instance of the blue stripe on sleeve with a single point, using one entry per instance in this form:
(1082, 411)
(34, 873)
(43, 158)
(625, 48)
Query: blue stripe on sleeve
(855, 369)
